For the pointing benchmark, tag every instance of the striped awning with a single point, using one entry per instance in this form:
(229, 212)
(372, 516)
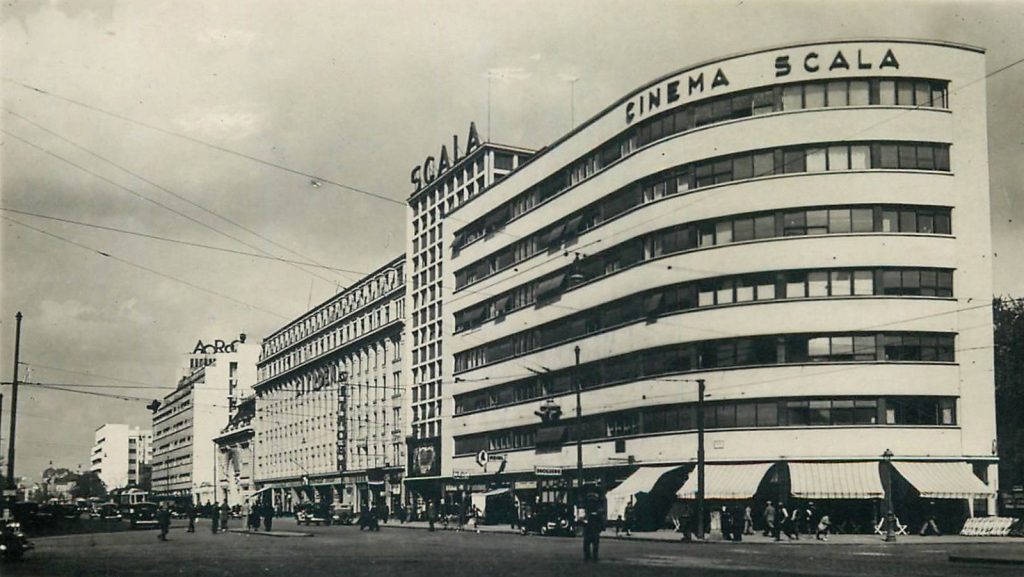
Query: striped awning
(945, 480)
(851, 480)
(726, 481)
(641, 481)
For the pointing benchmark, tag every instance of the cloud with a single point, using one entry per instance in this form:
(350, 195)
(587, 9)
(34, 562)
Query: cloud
(58, 312)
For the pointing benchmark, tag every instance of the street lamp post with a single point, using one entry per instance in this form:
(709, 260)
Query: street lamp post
(579, 439)
(890, 517)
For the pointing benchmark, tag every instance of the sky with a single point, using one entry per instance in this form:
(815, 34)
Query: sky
(203, 122)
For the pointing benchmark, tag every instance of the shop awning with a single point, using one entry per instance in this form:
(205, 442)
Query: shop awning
(943, 480)
(479, 500)
(852, 480)
(726, 481)
(641, 481)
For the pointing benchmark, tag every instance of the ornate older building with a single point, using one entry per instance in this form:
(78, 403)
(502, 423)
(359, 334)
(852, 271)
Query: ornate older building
(329, 399)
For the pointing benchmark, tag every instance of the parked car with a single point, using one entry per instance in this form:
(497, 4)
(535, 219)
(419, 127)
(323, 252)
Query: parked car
(309, 514)
(142, 515)
(110, 512)
(549, 519)
(343, 515)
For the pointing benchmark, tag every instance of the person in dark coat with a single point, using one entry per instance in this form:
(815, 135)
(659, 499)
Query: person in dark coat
(191, 513)
(431, 514)
(738, 522)
(268, 516)
(630, 518)
(215, 518)
(163, 519)
(593, 524)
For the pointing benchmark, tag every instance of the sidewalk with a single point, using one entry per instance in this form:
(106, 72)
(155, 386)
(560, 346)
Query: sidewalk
(671, 536)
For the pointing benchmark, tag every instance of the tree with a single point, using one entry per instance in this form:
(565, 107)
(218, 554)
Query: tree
(89, 485)
(1008, 321)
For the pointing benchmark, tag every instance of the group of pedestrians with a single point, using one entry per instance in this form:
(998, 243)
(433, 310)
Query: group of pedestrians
(220, 514)
(782, 520)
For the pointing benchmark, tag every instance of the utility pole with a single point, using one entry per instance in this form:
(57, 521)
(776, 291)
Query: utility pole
(700, 458)
(579, 439)
(11, 484)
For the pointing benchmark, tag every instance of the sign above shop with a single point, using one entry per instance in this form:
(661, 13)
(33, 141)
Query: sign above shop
(548, 471)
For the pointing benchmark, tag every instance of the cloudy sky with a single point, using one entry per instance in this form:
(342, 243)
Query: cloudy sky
(196, 121)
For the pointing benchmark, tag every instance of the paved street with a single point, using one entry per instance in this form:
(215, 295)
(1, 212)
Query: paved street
(397, 551)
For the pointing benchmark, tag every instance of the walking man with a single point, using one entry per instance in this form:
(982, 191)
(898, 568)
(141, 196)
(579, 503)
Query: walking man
(163, 519)
(593, 524)
(769, 520)
(431, 514)
(190, 512)
(215, 518)
(748, 521)
(630, 517)
(268, 516)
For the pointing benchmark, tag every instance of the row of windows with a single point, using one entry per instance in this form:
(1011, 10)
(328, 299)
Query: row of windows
(682, 238)
(355, 298)
(807, 95)
(718, 354)
(812, 158)
(834, 412)
(764, 286)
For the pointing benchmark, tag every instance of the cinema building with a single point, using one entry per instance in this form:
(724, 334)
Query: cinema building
(804, 228)
(328, 405)
(443, 183)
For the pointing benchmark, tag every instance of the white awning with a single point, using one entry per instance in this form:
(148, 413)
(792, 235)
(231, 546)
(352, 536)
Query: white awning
(726, 481)
(641, 481)
(479, 500)
(943, 480)
(853, 480)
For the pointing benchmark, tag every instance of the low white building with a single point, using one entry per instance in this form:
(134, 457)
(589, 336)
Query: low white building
(119, 454)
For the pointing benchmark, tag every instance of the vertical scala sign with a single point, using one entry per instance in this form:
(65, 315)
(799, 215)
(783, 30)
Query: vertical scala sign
(342, 384)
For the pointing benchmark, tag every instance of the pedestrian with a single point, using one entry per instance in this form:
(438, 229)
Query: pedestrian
(808, 514)
(593, 524)
(794, 522)
(824, 525)
(630, 517)
(191, 513)
(431, 515)
(748, 520)
(929, 525)
(781, 513)
(163, 520)
(215, 518)
(738, 522)
(686, 522)
(769, 520)
(268, 516)
(225, 514)
(725, 520)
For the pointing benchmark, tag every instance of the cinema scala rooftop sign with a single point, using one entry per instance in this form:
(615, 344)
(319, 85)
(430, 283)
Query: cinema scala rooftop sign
(432, 168)
(813, 60)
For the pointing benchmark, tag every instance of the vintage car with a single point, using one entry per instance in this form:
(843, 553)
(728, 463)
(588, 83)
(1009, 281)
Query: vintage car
(110, 512)
(142, 515)
(548, 519)
(311, 514)
(343, 515)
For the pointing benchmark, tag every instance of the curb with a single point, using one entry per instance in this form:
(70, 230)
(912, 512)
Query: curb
(278, 534)
(987, 560)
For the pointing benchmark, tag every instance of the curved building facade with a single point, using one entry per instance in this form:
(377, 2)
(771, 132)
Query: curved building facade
(806, 229)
